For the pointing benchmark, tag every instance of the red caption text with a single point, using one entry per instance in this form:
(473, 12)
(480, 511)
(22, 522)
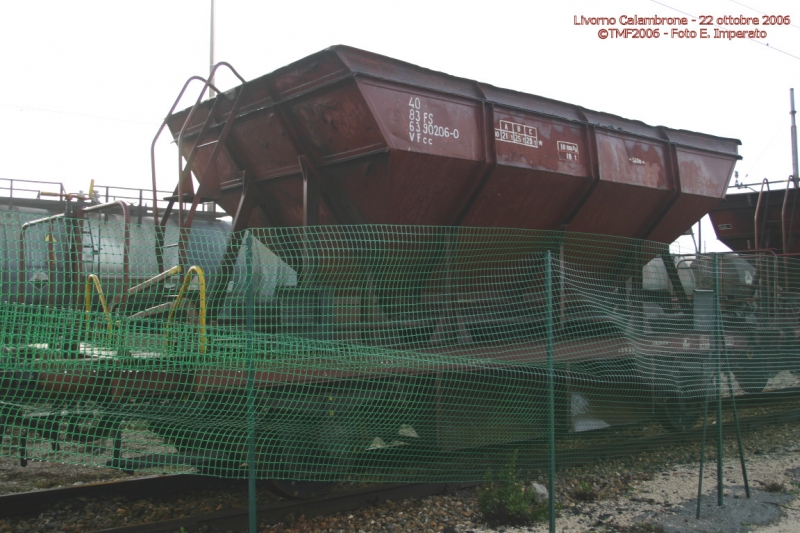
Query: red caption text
(729, 27)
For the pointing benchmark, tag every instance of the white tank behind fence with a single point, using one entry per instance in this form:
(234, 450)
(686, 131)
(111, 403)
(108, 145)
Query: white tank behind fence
(103, 255)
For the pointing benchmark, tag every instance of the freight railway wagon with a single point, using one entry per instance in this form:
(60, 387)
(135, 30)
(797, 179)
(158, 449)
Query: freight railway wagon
(407, 248)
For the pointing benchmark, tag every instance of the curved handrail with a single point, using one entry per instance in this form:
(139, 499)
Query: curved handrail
(94, 281)
(158, 134)
(126, 243)
(758, 209)
(21, 268)
(201, 280)
(790, 181)
(185, 222)
(155, 279)
(197, 141)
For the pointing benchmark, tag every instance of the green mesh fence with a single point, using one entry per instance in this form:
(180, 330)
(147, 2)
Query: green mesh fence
(379, 353)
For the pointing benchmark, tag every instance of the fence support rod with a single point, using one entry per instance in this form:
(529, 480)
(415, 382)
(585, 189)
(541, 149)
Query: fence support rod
(702, 453)
(251, 416)
(719, 342)
(736, 422)
(551, 408)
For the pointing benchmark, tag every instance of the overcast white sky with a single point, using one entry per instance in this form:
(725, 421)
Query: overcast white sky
(86, 84)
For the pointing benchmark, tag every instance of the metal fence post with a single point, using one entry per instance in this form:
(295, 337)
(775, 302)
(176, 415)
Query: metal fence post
(719, 341)
(736, 422)
(251, 418)
(551, 408)
(706, 394)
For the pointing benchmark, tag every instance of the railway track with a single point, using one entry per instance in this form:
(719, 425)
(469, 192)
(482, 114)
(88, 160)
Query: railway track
(237, 519)
(15, 505)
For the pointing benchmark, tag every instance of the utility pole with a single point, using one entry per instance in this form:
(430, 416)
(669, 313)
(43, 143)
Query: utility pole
(211, 92)
(795, 176)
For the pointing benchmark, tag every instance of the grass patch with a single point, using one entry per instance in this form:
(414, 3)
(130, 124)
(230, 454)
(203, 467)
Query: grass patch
(773, 486)
(507, 501)
(584, 493)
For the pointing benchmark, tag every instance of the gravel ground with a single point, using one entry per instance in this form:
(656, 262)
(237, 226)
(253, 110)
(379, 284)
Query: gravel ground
(649, 493)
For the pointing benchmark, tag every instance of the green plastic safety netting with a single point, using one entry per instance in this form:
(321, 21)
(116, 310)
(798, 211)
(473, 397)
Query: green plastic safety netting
(377, 353)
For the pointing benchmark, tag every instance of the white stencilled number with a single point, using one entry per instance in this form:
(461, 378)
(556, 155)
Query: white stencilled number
(421, 123)
(438, 131)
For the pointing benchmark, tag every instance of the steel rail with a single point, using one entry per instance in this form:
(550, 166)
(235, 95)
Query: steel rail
(31, 502)
(237, 519)
(27, 503)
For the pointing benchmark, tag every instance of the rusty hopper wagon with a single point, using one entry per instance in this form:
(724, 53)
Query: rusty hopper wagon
(349, 137)
(762, 220)
(424, 167)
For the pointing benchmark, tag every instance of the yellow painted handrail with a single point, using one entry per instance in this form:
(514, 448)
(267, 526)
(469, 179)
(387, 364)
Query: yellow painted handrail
(201, 281)
(155, 279)
(90, 281)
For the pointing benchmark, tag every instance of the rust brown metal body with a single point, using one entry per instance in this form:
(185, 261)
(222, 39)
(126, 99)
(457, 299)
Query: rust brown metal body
(763, 220)
(349, 137)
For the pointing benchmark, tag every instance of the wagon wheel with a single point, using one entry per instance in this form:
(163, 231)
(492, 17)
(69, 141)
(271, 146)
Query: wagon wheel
(682, 399)
(324, 452)
(754, 370)
(680, 413)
